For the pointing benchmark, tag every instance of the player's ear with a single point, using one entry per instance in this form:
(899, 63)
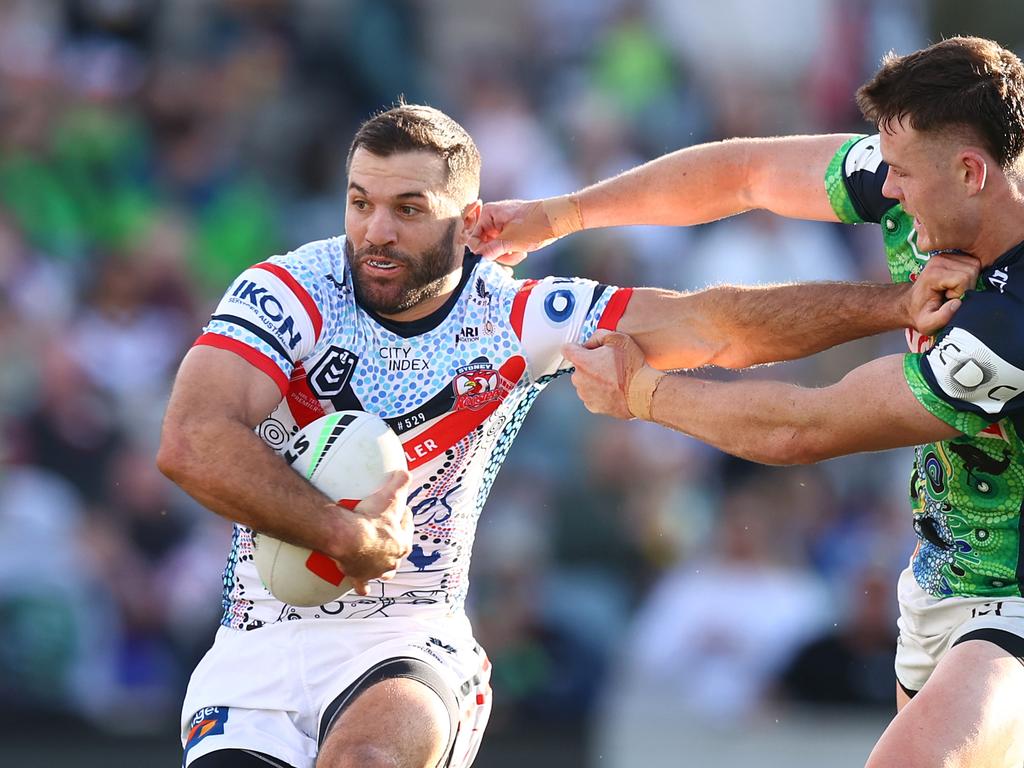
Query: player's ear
(974, 170)
(470, 217)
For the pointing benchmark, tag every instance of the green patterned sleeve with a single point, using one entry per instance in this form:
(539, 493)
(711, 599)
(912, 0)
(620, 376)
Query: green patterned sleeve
(835, 186)
(968, 423)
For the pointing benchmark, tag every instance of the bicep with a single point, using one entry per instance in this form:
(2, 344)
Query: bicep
(787, 175)
(212, 380)
(873, 409)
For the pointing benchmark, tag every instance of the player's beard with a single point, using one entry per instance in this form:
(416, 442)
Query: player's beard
(419, 278)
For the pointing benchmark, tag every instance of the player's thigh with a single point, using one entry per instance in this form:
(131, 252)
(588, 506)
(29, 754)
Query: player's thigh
(967, 714)
(398, 722)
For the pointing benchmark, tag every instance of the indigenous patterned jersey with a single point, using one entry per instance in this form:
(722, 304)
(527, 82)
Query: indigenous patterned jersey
(455, 386)
(966, 492)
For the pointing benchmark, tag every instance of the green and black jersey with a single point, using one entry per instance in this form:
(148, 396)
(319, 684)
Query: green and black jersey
(966, 492)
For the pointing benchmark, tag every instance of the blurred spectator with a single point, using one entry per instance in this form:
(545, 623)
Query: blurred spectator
(851, 665)
(717, 629)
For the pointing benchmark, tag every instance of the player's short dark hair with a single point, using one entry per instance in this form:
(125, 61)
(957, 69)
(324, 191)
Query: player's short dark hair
(415, 127)
(962, 82)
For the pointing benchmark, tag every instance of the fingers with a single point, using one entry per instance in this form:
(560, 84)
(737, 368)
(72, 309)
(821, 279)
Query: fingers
(494, 217)
(952, 274)
(598, 338)
(620, 341)
(492, 250)
(511, 259)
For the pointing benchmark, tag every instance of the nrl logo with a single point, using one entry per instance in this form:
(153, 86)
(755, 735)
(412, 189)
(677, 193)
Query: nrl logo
(477, 384)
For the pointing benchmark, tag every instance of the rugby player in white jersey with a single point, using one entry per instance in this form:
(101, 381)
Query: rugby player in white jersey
(945, 172)
(397, 319)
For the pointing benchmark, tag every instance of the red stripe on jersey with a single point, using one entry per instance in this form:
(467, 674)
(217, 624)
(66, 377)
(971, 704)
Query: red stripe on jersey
(324, 567)
(519, 307)
(252, 356)
(448, 431)
(615, 308)
(348, 503)
(300, 293)
(994, 430)
(302, 403)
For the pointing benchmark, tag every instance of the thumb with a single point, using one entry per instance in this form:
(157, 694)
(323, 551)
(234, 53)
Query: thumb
(944, 314)
(619, 340)
(574, 353)
(393, 485)
(493, 249)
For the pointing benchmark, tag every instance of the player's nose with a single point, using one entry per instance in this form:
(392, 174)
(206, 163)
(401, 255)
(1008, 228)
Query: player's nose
(381, 229)
(890, 188)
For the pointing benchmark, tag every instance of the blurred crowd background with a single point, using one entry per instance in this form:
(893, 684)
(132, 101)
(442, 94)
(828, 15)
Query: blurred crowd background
(150, 150)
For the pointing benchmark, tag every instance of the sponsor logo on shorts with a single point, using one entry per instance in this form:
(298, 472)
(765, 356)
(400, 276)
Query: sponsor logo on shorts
(208, 721)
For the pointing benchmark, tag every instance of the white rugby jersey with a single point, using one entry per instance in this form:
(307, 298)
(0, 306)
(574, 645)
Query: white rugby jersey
(455, 386)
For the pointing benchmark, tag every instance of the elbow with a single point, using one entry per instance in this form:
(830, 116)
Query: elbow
(733, 356)
(175, 457)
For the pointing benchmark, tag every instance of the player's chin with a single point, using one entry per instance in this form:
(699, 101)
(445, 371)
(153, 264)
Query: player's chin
(387, 298)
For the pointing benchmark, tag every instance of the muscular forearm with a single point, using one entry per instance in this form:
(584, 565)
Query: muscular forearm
(734, 327)
(768, 422)
(766, 325)
(222, 464)
(690, 186)
(711, 181)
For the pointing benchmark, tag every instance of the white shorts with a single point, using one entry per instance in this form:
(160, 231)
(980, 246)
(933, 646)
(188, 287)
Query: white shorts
(268, 690)
(930, 626)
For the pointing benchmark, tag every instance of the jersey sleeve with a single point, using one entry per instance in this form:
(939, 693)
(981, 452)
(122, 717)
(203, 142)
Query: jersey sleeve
(974, 374)
(854, 181)
(549, 313)
(272, 316)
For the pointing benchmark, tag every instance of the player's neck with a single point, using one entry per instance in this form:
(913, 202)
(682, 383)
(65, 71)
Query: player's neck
(1002, 231)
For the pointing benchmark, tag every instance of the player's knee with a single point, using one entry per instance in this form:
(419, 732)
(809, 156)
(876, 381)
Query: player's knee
(419, 745)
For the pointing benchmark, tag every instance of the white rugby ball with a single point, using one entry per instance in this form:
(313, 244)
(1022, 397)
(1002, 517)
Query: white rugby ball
(347, 456)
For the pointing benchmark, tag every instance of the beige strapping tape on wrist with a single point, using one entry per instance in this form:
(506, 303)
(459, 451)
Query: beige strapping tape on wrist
(563, 215)
(640, 393)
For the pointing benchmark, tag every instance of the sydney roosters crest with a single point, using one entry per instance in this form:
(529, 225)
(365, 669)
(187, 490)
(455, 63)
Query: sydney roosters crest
(477, 384)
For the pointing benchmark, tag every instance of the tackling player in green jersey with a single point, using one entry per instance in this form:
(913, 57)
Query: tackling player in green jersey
(945, 178)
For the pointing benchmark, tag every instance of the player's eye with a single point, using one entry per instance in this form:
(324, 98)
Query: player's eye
(408, 210)
(359, 204)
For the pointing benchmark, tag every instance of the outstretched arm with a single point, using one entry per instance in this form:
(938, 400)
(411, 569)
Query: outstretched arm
(871, 409)
(736, 327)
(208, 447)
(690, 186)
